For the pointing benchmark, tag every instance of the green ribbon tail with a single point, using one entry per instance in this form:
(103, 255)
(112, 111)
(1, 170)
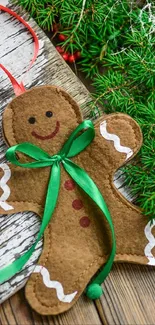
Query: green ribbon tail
(89, 187)
(51, 200)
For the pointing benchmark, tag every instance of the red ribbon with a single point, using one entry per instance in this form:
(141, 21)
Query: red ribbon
(19, 88)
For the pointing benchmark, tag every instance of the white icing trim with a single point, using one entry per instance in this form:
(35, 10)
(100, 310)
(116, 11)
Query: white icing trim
(113, 137)
(151, 244)
(6, 189)
(54, 285)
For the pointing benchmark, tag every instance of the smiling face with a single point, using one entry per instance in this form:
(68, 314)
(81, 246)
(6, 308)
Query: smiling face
(44, 116)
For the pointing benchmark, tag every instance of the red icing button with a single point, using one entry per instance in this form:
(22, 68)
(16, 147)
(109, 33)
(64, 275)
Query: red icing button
(69, 185)
(84, 222)
(77, 204)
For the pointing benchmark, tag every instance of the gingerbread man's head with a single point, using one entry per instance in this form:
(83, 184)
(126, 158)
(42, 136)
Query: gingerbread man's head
(44, 116)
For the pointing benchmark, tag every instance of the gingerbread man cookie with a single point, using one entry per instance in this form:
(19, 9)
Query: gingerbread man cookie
(77, 240)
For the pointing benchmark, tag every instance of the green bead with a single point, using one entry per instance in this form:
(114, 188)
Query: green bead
(94, 291)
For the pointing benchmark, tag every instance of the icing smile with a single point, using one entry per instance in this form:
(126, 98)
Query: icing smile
(47, 137)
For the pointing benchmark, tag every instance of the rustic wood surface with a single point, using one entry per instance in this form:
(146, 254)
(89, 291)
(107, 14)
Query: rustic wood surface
(129, 290)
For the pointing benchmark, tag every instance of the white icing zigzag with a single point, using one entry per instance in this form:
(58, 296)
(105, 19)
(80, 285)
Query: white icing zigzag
(6, 189)
(151, 243)
(54, 285)
(115, 139)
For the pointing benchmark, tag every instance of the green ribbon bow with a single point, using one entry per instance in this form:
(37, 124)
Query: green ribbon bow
(73, 146)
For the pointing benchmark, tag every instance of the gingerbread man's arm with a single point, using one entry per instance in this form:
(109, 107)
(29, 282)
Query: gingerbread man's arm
(15, 190)
(118, 138)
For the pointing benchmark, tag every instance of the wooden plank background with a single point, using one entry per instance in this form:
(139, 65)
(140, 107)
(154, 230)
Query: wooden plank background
(129, 290)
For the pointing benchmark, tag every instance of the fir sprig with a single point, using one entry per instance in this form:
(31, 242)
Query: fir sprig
(117, 44)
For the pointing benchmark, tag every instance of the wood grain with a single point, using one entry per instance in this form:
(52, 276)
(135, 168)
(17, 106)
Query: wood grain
(129, 295)
(16, 311)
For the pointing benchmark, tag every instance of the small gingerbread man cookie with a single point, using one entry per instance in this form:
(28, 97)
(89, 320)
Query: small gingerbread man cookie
(77, 240)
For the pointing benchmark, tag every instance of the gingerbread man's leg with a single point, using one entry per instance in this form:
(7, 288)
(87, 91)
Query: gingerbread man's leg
(74, 249)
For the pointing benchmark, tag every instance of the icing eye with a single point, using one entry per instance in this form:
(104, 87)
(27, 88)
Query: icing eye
(49, 114)
(32, 120)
